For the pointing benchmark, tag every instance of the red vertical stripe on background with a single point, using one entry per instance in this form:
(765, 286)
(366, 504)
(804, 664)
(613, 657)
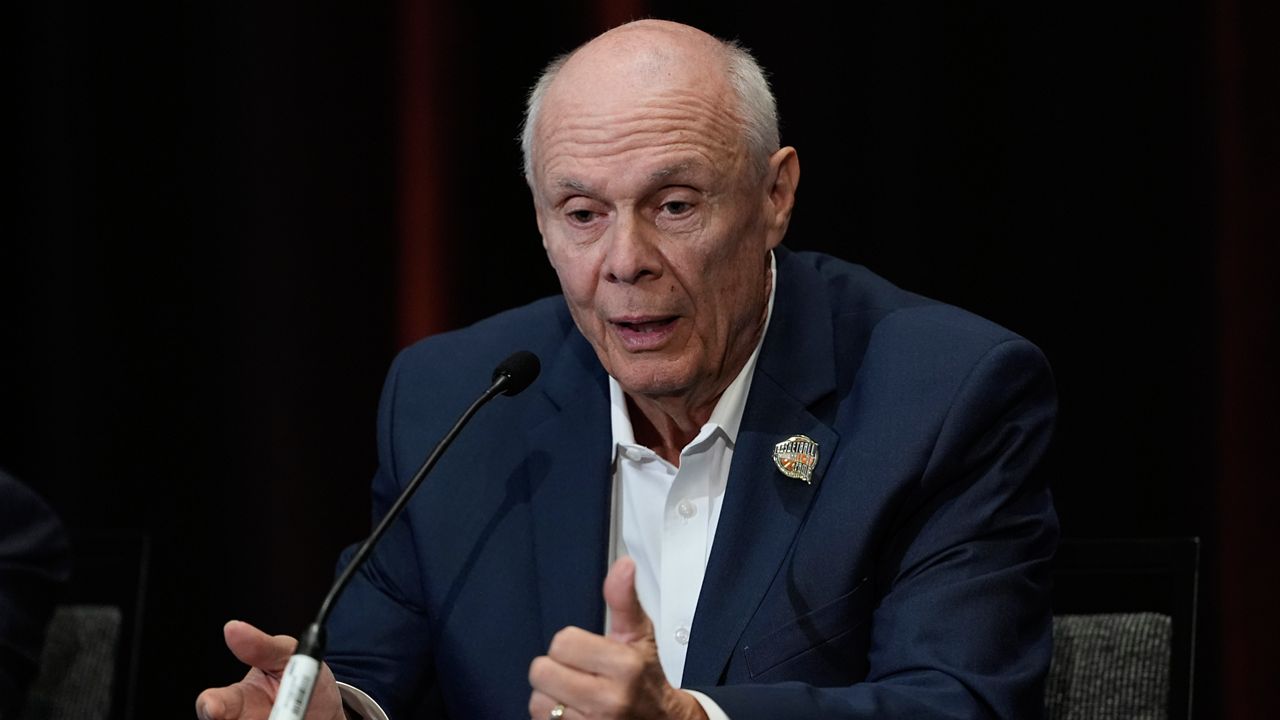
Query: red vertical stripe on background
(421, 293)
(1248, 72)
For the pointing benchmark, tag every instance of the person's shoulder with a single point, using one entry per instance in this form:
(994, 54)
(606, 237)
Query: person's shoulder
(856, 293)
(540, 327)
(22, 509)
(882, 324)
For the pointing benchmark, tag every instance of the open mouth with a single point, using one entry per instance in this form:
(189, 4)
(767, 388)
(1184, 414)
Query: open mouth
(645, 326)
(643, 334)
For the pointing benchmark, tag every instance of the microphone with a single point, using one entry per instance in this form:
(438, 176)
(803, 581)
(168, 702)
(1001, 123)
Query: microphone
(511, 376)
(520, 369)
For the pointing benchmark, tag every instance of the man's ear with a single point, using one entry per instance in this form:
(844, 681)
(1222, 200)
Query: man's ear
(783, 177)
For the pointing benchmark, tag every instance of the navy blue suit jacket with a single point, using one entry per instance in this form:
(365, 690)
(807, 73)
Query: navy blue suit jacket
(909, 580)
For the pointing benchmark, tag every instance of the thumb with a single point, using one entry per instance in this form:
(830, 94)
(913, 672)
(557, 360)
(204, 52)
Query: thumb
(628, 621)
(257, 649)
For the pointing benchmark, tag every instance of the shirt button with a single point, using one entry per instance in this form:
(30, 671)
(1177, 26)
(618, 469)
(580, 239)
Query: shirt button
(686, 509)
(682, 635)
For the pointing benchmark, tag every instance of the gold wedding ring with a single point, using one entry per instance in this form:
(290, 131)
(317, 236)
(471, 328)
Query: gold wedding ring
(557, 712)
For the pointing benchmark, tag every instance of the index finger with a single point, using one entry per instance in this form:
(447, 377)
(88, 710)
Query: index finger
(224, 703)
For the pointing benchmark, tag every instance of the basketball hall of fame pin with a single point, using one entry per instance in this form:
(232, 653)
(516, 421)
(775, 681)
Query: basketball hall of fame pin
(796, 457)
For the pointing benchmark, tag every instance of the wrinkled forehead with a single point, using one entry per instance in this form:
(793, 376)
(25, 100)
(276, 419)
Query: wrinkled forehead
(675, 130)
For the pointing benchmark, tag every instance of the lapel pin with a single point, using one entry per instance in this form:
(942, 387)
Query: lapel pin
(796, 457)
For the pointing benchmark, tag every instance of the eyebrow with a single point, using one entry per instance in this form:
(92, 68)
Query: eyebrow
(573, 184)
(670, 170)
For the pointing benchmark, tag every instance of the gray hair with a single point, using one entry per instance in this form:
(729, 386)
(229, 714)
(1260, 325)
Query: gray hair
(757, 108)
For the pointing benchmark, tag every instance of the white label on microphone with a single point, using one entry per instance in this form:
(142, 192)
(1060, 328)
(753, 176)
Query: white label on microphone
(295, 688)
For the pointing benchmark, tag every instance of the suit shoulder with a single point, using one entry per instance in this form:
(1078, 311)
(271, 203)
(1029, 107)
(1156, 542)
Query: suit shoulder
(859, 296)
(540, 327)
(452, 365)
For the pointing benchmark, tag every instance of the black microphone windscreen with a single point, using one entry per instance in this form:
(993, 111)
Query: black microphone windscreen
(521, 368)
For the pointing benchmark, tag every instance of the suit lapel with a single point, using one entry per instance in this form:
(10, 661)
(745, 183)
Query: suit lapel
(569, 489)
(763, 508)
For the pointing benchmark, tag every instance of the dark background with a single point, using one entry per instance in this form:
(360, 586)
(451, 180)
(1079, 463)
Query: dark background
(229, 216)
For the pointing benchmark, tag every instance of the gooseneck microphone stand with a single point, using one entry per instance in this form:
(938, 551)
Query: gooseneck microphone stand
(294, 694)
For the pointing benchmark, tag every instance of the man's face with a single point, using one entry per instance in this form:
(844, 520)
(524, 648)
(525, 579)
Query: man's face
(659, 227)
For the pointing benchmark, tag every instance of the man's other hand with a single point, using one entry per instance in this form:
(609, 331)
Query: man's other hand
(252, 697)
(615, 676)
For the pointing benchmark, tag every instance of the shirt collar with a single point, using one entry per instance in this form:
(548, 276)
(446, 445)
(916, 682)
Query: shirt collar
(727, 415)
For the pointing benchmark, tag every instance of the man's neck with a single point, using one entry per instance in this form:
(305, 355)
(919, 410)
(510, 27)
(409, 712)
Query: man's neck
(667, 425)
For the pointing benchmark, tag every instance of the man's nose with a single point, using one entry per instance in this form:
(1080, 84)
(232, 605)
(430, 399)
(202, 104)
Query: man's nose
(632, 254)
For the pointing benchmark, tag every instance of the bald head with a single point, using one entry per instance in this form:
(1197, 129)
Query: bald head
(632, 62)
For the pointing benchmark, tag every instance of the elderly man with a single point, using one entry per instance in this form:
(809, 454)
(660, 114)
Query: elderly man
(817, 486)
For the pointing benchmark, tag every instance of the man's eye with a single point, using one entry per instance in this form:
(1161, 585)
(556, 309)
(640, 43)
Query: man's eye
(677, 207)
(581, 216)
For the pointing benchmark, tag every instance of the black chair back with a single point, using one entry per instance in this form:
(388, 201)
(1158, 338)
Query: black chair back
(1144, 580)
(89, 665)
